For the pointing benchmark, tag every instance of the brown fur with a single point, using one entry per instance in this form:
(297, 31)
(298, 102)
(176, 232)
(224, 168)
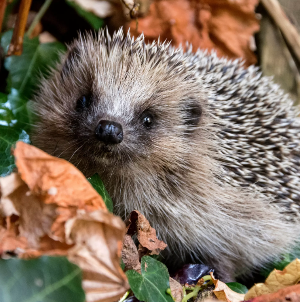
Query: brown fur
(189, 180)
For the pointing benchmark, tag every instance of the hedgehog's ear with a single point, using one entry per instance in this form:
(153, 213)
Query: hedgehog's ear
(72, 57)
(192, 112)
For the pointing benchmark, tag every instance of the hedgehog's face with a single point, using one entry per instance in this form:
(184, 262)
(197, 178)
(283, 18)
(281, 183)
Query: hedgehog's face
(107, 113)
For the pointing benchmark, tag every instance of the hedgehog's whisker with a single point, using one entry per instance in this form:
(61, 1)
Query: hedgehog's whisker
(77, 150)
(66, 149)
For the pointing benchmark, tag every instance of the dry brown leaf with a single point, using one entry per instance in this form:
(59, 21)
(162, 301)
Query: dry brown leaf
(227, 26)
(30, 222)
(97, 237)
(146, 235)
(50, 199)
(56, 181)
(130, 255)
(291, 293)
(176, 290)
(276, 280)
(9, 239)
(224, 25)
(224, 293)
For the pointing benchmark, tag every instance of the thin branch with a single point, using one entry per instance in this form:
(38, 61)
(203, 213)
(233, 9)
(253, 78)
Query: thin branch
(38, 16)
(16, 44)
(3, 4)
(287, 29)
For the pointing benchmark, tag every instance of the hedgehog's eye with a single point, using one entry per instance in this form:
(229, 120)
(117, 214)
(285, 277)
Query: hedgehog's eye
(83, 102)
(148, 120)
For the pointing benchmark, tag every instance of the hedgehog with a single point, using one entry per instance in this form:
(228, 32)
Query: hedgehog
(207, 150)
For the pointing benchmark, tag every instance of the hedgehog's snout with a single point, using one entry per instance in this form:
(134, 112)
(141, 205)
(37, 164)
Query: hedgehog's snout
(109, 132)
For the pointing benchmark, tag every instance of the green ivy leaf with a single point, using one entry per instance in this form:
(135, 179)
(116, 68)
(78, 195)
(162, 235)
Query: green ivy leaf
(237, 287)
(20, 110)
(45, 279)
(14, 124)
(8, 137)
(26, 69)
(5, 40)
(151, 285)
(6, 114)
(122, 264)
(23, 78)
(281, 262)
(94, 20)
(98, 185)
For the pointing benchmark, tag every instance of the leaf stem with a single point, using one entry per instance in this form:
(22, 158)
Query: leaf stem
(194, 293)
(39, 296)
(28, 73)
(206, 278)
(124, 296)
(38, 16)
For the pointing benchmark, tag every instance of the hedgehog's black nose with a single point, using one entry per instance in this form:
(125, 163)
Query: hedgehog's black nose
(109, 132)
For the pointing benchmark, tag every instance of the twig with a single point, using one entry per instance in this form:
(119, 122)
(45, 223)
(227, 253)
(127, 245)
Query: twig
(16, 44)
(38, 16)
(288, 30)
(2, 11)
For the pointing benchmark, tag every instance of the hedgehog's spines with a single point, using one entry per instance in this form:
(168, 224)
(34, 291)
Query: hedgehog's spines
(226, 189)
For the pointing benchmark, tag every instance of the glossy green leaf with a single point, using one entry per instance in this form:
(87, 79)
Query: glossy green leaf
(237, 287)
(45, 279)
(20, 110)
(36, 60)
(98, 185)
(152, 284)
(122, 264)
(281, 262)
(6, 114)
(23, 78)
(94, 20)
(5, 40)
(14, 123)
(8, 137)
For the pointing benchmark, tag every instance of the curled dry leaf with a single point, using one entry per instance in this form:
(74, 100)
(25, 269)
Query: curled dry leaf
(56, 181)
(146, 235)
(97, 239)
(27, 219)
(149, 245)
(224, 293)
(276, 280)
(130, 255)
(50, 199)
(176, 290)
(226, 26)
(291, 293)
